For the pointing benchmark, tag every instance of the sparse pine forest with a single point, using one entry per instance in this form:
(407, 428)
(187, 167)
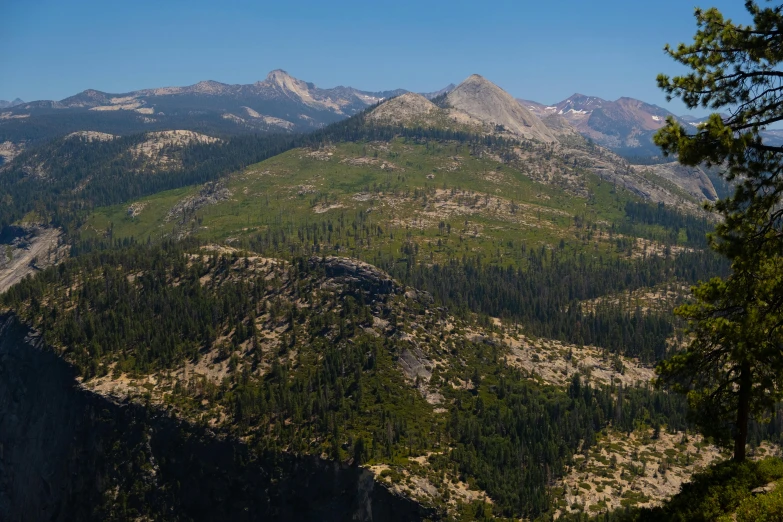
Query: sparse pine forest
(141, 310)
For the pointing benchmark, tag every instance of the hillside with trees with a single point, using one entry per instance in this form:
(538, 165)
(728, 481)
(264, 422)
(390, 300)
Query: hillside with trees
(475, 309)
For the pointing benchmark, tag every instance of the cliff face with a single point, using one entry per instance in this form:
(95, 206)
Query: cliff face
(68, 454)
(44, 433)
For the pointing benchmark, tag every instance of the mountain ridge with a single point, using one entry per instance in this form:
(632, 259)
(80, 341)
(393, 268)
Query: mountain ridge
(283, 103)
(482, 99)
(4, 104)
(475, 105)
(278, 103)
(479, 106)
(625, 125)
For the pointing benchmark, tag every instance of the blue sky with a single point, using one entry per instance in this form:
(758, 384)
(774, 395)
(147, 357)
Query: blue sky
(540, 50)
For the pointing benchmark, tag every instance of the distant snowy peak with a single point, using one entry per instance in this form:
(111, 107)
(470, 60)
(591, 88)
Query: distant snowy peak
(625, 125)
(576, 104)
(579, 104)
(696, 121)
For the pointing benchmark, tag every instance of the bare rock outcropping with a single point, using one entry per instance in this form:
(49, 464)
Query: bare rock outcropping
(691, 179)
(212, 192)
(91, 136)
(407, 108)
(357, 273)
(33, 248)
(486, 102)
(160, 148)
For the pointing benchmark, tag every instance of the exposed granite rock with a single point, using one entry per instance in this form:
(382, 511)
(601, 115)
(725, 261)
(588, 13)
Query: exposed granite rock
(211, 193)
(768, 488)
(359, 273)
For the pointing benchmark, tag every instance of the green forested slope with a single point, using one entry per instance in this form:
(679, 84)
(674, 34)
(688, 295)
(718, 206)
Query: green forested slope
(306, 358)
(209, 290)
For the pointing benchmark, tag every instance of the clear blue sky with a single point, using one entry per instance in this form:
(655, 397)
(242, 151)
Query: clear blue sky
(541, 50)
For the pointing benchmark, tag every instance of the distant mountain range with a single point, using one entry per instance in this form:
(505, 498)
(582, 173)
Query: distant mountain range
(280, 103)
(474, 107)
(626, 125)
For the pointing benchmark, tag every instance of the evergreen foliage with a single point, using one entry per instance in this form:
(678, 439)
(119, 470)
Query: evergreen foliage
(81, 174)
(732, 369)
(545, 296)
(331, 387)
(696, 228)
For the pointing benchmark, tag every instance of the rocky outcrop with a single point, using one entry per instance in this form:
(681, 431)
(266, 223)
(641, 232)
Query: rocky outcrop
(90, 136)
(483, 100)
(69, 454)
(693, 180)
(356, 273)
(408, 108)
(24, 250)
(8, 151)
(211, 192)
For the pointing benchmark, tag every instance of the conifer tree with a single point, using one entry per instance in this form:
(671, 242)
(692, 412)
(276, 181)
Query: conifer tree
(731, 370)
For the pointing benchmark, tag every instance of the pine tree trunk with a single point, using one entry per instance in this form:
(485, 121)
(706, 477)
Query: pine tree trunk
(743, 412)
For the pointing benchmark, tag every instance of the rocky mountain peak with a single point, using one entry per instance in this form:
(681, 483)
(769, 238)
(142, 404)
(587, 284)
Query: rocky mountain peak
(404, 108)
(281, 82)
(92, 93)
(282, 79)
(88, 98)
(5, 103)
(209, 87)
(625, 125)
(485, 101)
(277, 73)
(580, 103)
